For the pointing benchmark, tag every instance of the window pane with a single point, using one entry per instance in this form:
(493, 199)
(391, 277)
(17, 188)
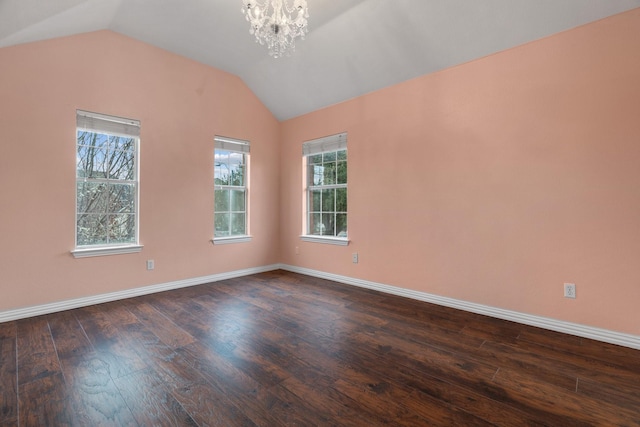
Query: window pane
(341, 225)
(342, 172)
(237, 201)
(315, 224)
(122, 198)
(82, 165)
(327, 221)
(329, 174)
(329, 157)
(327, 208)
(316, 159)
(91, 162)
(236, 169)
(92, 197)
(316, 174)
(237, 224)
(99, 140)
(221, 224)
(221, 201)
(315, 202)
(122, 228)
(341, 200)
(121, 164)
(328, 200)
(122, 143)
(106, 188)
(92, 229)
(221, 167)
(230, 205)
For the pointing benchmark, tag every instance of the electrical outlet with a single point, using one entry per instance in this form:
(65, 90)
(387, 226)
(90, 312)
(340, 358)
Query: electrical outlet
(151, 264)
(569, 290)
(297, 250)
(354, 257)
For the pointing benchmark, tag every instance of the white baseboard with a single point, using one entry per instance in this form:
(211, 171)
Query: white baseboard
(38, 310)
(604, 335)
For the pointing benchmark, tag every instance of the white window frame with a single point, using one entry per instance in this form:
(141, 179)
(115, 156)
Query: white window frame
(326, 144)
(243, 147)
(113, 126)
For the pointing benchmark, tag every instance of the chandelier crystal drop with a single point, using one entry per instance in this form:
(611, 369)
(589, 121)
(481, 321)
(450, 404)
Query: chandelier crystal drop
(276, 24)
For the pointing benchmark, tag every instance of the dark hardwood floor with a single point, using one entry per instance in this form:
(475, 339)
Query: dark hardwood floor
(282, 349)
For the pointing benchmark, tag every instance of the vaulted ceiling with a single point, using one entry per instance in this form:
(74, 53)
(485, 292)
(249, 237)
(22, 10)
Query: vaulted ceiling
(353, 46)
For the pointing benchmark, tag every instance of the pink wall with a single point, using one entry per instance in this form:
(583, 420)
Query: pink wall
(492, 182)
(495, 181)
(181, 105)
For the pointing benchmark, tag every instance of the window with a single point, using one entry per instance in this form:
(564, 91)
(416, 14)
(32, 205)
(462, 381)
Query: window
(326, 189)
(230, 187)
(106, 184)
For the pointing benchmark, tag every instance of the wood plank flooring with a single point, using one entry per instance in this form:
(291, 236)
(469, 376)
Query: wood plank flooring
(282, 349)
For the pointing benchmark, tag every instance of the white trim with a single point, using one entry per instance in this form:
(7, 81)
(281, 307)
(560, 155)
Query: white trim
(324, 239)
(21, 313)
(232, 239)
(130, 128)
(106, 250)
(604, 335)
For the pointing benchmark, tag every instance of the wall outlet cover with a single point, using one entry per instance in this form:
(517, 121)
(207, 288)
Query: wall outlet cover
(569, 290)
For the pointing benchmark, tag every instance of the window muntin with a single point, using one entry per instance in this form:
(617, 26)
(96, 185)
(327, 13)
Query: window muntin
(106, 181)
(230, 187)
(326, 163)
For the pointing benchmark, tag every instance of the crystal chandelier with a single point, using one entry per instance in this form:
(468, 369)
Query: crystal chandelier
(276, 24)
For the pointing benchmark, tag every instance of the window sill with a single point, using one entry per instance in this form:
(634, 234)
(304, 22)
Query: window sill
(105, 250)
(229, 240)
(326, 240)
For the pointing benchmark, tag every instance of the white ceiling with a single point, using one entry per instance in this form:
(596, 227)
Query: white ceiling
(353, 46)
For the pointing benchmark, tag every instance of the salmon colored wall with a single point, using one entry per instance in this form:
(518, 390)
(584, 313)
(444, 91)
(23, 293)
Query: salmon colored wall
(181, 105)
(492, 182)
(496, 181)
